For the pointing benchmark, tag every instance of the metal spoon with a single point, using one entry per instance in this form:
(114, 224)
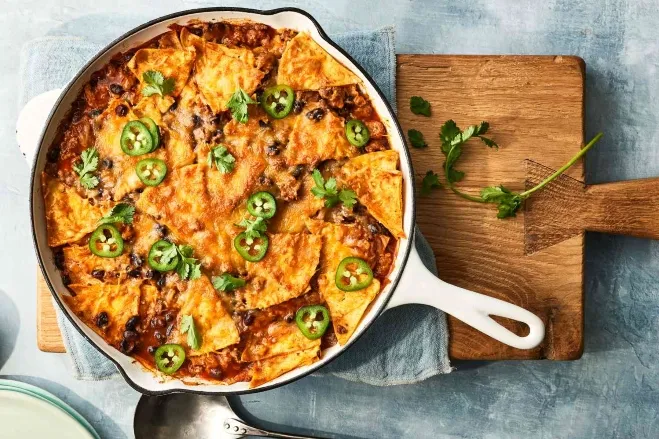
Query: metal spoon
(181, 415)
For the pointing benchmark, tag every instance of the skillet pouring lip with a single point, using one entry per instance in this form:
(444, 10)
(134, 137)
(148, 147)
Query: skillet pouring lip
(404, 153)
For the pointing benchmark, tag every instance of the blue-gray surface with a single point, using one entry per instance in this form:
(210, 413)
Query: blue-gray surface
(612, 392)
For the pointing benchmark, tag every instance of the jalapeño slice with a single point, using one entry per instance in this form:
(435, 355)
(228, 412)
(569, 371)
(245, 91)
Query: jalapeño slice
(151, 171)
(163, 256)
(353, 274)
(251, 249)
(312, 320)
(357, 133)
(169, 358)
(262, 204)
(136, 138)
(106, 241)
(278, 101)
(153, 130)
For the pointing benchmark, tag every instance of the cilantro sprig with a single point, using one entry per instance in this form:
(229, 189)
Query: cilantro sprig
(430, 182)
(187, 267)
(194, 336)
(222, 158)
(157, 83)
(420, 106)
(85, 168)
(254, 228)
(238, 105)
(508, 202)
(227, 282)
(416, 139)
(328, 190)
(120, 213)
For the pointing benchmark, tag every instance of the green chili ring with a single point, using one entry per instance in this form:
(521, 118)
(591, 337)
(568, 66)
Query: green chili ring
(306, 319)
(353, 274)
(275, 103)
(169, 358)
(151, 172)
(357, 133)
(106, 241)
(155, 254)
(251, 249)
(136, 139)
(153, 130)
(262, 204)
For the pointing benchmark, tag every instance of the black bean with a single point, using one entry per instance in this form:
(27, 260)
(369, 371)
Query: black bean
(151, 350)
(58, 258)
(139, 190)
(107, 163)
(341, 330)
(161, 282)
(66, 279)
(130, 335)
(298, 106)
(116, 89)
(289, 318)
(169, 317)
(102, 319)
(297, 171)
(264, 181)
(249, 318)
(132, 323)
(95, 112)
(98, 274)
(215, 372)
(136, 273)
(174, 106)
(53, 154)
(121, 110)
(373, 228)
(169, 330)
(127, 346)
(196, 31)
(157, 322)
(316, 114)
(93, 81)
(196, 120)
(273, 149)
(149, 274)
(159, 336)
(135, 260)
(263, 123)
(162, 230)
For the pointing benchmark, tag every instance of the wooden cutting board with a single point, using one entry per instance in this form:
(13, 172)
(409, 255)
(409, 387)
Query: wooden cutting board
(535, 106)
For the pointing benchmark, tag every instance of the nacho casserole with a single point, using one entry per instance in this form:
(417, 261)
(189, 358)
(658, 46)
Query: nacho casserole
(223, 203)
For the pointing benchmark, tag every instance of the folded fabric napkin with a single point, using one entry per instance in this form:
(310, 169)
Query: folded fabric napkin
(405, 345)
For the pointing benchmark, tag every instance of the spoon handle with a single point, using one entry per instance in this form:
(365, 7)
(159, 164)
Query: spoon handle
(240, 429)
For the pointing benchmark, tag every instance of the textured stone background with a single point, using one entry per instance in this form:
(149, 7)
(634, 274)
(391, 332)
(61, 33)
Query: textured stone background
(612, 392)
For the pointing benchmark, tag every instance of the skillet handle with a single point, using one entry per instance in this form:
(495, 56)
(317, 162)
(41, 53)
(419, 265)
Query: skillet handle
(31, 121)
(418, 285)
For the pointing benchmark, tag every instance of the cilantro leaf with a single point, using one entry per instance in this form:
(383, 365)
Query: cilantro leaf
(194, 336)
(224, 161)
(416, 139)
(88, 164)
(238, 105)
(253, 228)
(430, 182)
(508, 203)
(168, 253)
(226, 282)
(420, 106)
(348, 198)
(188, 267)
(156, 83)
(120, 213)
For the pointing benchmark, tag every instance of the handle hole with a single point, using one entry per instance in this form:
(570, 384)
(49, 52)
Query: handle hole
(518, 328)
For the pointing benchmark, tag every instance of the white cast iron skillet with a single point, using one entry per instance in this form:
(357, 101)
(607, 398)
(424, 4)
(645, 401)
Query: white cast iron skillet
(410, 282)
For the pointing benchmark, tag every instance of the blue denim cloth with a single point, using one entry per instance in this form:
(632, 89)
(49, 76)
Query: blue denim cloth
(404, 345)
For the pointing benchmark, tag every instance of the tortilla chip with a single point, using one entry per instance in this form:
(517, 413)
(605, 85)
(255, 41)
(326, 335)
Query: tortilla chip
(311, 141)
(221, 70)
(213, 322)
(280, 338)
(285, 271)
(305, 65)
(120, 302)
(145, 234)
(379, 187)
(339, 242)
(80, 262)
(268, 370)
(174, 64)
(292, 216)
(69, 217)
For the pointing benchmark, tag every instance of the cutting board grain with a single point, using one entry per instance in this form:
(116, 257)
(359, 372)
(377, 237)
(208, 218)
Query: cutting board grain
(535, 107)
